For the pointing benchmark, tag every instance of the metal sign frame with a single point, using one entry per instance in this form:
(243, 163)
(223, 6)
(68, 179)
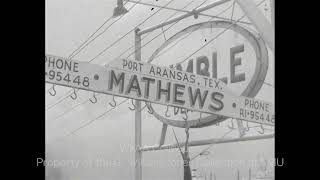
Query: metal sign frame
(254, 85)
(138, 125)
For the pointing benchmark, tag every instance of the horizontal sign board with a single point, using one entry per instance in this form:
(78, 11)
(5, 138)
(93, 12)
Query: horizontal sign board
(160, 85)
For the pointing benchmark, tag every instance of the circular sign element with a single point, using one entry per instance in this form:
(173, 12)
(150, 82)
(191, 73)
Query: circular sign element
(251, 90)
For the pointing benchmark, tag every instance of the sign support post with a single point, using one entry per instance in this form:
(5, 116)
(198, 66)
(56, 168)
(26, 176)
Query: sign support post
(137, 131)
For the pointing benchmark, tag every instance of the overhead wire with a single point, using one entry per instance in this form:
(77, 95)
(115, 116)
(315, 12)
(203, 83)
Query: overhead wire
(98, 117)
(186, 11)
(132, 46)
(150, 33)
(168, 49)
(103, 114)
(92, 34)
(145, 45)
(118, 40)
(66, 95)
(86, 43)
(209, 147)
(197, 51)
(216, 37)
(91, 121)
(233, 6)
(233, 22)
(220, 33)
(222, 137)
(103, 51)
(72, 108)
(107, 29)
(167, 29)
(125, 99)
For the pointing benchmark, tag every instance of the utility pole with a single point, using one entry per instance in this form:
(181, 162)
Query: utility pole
(137, 131)
(185, 155)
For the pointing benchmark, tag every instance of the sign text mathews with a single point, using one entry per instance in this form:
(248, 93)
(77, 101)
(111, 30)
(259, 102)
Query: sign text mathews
(160, 85)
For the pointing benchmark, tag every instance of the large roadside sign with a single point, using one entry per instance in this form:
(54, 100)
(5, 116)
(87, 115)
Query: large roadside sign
(160, 85)
(239, 58)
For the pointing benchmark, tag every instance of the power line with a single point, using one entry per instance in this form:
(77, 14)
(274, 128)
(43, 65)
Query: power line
(166, 30)
(223, 137)
(206, 45)
(83, 43)
(188, 57)
(118, 40)
(70, 92)
(208, 42)
(100, 116)
(152, 40)
(216, 37)
(74, 107)
(182, 10)
(90, 122)
(102, 52)
(142, 47)
(104, 30)
(188, 35)
(233, 6)
(120, 56)
(103, 114)
(211, 145)
(150, 33)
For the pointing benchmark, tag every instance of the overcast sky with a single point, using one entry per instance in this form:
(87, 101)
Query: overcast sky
(70, 22)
